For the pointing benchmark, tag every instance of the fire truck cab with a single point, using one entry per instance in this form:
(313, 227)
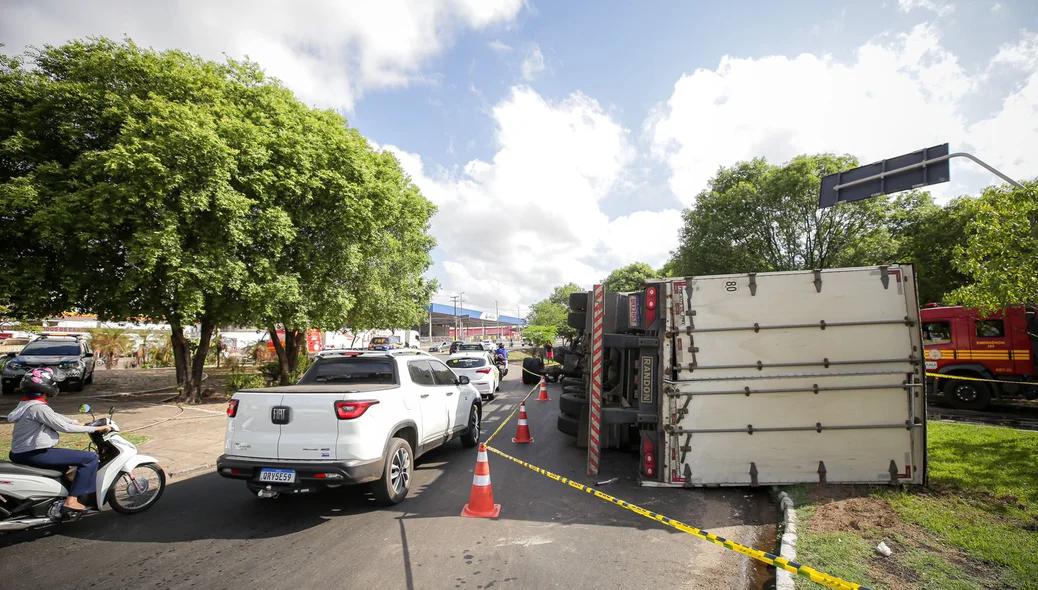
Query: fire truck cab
(1001, 347)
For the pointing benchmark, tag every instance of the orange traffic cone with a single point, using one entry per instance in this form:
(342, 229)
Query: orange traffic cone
(543, 395)
(481, 499)
(522, 431)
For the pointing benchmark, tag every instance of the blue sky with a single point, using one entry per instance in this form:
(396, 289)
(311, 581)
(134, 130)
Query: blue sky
(562, 139)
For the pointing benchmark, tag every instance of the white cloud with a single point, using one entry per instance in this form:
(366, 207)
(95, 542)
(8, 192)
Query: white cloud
(1023, 54)
(329, 52)
(997, 6)
(533, 64)
(935, 6)
(499, 46)
(900, 94)
(512, 228)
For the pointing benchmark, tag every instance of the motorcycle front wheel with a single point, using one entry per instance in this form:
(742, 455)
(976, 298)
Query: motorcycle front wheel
(137, 490)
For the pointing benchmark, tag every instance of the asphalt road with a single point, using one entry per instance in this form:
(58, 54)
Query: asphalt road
(209, 532)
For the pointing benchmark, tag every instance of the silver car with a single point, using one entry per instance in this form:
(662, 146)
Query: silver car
(70, 355)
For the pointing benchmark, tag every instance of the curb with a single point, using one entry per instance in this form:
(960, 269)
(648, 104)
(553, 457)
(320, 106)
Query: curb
(787, 549)
(182, 472)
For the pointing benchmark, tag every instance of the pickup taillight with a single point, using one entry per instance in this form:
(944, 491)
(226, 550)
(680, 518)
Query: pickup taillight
(232, 408)
(348, 410)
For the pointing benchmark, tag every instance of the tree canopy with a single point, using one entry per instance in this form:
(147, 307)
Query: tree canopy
(1000, 254)
(554, 311)
(759, 217)
(144, 184)
(629, 278)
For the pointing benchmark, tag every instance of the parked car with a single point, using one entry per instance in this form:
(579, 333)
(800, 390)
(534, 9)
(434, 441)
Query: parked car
(480, 369)
(385, 343)
(70, 354)
(356, 418)
(439, 347)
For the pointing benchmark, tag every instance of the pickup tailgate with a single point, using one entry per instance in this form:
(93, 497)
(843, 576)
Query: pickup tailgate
(251, 433)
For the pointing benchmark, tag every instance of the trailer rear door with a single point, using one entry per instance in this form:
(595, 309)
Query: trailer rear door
(781, 378)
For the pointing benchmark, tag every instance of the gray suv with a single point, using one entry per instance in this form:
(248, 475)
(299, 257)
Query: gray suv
(69, 354)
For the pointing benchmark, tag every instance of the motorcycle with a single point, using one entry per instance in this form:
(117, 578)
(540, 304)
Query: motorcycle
(127, 481)
(502, 364)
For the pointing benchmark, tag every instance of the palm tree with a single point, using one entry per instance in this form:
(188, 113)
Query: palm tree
(110, 343)
(162, 352)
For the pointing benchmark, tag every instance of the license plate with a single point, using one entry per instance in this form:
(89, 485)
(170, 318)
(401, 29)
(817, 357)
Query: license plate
(277, 475)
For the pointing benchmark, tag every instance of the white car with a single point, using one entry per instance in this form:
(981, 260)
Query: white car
(354, 417)
(480, 369)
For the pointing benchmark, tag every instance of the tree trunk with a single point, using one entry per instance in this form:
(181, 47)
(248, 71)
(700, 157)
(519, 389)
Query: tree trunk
(194, 394)
(279, 348)
(181, 358)
(293, 338)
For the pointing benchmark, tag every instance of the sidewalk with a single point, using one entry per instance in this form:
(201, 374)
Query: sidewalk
(185, 441)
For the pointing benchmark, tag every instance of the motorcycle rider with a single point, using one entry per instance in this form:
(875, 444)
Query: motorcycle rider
(36, 427)
(502, 351)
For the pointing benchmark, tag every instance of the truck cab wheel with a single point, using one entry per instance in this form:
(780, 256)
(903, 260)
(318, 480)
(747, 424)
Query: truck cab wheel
(967, 395)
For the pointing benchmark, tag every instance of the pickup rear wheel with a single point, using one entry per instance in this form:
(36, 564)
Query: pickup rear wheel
(967, 395)
(396, 478)
(471, 436)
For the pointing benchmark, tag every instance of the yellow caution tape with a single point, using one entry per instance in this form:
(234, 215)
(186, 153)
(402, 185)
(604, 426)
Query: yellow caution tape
(942, 376)
(509, 418)
(768, 558)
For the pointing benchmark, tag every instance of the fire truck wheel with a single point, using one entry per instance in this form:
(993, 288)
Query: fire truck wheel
(572, 404)
(967, 395)
(568, 424)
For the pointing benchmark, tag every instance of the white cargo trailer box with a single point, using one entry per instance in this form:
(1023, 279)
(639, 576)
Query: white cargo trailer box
(782, 378)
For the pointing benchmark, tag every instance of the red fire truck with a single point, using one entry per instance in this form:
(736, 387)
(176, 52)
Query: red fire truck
(1002, 347)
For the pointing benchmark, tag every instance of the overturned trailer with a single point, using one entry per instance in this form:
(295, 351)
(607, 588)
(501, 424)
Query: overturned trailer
(753, 379)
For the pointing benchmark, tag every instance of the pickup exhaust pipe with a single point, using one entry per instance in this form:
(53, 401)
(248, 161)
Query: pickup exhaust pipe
(23, 523)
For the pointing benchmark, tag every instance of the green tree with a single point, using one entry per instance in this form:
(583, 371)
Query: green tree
(757, 217)
(927, 235)
(629, 278)
(554, 311)
(540, 334)
(1000, 255)
(110, 343)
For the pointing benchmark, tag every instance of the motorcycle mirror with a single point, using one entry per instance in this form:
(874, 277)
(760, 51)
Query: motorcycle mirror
(111, 410)
(84, 409)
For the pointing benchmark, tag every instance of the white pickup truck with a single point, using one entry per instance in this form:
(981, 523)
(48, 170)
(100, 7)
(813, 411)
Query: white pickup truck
(354, 417)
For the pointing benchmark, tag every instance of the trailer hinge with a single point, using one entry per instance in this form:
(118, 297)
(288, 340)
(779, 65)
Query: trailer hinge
(822, 324)
(818, 280)
(753, 284)
(821, 472)
(753, 475)
(909, 322)
(749, 429)
(814, 386)
(825, 362)
(747, 390)
(893, 472)
(884, 276)
(693, 349)
(756, 327)
(818, 427)
(760, 366)
(688, 476)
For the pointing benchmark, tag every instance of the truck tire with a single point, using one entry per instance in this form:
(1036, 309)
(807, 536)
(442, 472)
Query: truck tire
(533, 368)
(967, 395)
(568, 424)
(578, 301)
(572, 404)
(577, 320)
(574, 389)
(396, 475)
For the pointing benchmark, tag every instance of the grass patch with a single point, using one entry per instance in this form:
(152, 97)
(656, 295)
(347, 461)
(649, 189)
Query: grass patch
(975, 527)
(77, 442)
(845, 555)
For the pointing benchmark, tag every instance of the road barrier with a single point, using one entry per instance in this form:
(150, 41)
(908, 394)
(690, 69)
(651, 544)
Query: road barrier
(762, 556)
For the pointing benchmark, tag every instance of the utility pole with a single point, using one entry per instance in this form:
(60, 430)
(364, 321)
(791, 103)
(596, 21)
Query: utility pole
(454, 300)
(497, 318)
(461, 297)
